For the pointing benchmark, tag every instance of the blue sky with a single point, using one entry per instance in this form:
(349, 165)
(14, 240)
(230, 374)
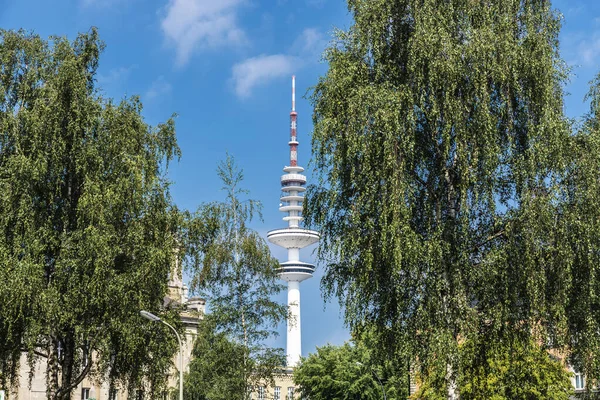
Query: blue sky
(224, 67)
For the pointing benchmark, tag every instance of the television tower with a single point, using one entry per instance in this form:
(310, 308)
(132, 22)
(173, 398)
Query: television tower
(293, 238)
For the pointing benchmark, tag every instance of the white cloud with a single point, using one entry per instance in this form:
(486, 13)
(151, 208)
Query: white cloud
(115, 75)
(194, 24)
(581, 49)
(260, 70)
(589, 50)
(310, 43)
(160, 87)
(575, 9)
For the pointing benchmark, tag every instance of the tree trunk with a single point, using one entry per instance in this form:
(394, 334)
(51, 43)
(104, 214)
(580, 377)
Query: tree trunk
(451, 382)
(52, 371)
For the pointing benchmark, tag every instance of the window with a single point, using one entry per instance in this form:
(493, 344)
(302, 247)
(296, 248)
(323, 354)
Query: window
(277, 394)
(290, 394)
(261, 393)
(112, 394)
(85, 393)
(579, 381)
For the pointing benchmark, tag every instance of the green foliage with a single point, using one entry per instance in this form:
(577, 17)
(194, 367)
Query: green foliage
(453, 199)
(493, 370)
(351, 371)
(394, 372)
(234, 270)
(87, 226)
(216, 369)
(581, 213)
(333, 373)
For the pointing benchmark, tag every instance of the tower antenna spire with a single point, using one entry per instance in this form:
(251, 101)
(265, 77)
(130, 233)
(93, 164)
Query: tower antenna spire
(293, 116)
(293, 92)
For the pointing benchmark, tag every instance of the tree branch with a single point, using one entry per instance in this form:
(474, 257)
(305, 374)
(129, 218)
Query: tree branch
(489, 239)
(36, 352)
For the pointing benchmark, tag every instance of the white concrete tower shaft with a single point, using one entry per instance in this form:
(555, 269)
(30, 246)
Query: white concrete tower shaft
(294, 332)
(293, 238)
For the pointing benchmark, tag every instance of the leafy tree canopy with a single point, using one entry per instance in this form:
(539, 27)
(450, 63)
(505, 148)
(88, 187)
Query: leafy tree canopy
(351, 371)
(492, 370)
(582, 233)
(87, 225)
(454, 199)
(216, 369)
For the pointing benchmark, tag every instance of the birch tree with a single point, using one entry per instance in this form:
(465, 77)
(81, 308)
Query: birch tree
(87, 225)
(447, 180)
(233, 268)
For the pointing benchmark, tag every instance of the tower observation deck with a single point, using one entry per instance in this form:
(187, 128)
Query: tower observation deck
(293, 238)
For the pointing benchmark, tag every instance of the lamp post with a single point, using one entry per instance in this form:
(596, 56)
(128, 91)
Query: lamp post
(376, 377)
(152, 317)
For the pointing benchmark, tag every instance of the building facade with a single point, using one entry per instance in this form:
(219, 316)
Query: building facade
(283, 388)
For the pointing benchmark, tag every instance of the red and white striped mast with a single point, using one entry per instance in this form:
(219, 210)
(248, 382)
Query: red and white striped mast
(293, 238)
(293, 138)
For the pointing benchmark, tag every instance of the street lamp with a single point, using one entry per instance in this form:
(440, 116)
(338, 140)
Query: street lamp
(154, 318)
(377, 377)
